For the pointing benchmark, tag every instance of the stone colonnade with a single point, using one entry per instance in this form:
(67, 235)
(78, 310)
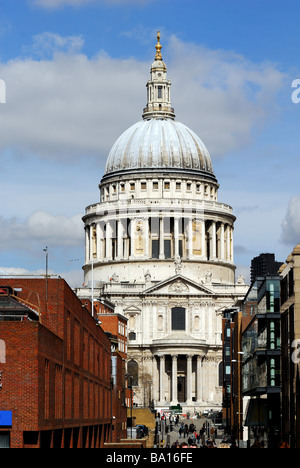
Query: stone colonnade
(195, 391)
(159, 238)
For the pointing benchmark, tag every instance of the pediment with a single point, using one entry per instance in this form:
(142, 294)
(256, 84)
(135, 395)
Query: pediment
(179, 285)
(132, 310)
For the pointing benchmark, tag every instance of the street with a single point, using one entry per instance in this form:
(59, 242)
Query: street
(166, 440)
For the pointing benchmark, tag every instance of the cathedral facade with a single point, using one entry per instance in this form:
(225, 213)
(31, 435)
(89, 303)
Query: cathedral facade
(159, 245)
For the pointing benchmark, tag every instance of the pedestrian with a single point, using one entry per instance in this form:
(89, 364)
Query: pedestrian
(198, 438)
(184, 445)
(180, 432)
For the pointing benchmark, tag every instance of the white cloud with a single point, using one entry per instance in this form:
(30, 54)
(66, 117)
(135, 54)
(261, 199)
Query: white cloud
(290, 227)
(46, 44)
(72, 106)
(223, 96)
(41, 227)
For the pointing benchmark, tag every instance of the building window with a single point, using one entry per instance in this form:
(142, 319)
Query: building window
(143, 185)
(167, 248)
(178, 185)
(132, 336)
(155, 248)
(167, 185)
(159, 92)
(155, 185)
(133, 371)
(178, 318)
(132, 186)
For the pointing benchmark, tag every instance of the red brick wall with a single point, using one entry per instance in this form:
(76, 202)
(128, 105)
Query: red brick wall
(57, 372)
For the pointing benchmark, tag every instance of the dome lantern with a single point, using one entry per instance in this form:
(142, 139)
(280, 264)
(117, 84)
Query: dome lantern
(158, 89)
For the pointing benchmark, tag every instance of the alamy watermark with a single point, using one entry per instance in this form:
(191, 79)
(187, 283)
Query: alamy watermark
(296, 353)
(2, 92)
(296, 93)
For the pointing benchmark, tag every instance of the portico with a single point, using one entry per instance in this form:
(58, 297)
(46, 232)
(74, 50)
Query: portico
(180, 379)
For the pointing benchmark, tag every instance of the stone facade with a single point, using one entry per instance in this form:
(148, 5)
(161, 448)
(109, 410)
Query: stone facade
(159, 245)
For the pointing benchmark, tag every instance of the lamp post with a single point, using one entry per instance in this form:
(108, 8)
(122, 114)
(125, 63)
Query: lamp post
(237, 393)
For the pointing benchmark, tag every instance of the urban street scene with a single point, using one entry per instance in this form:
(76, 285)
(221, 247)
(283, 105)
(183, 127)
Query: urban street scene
(149, 226)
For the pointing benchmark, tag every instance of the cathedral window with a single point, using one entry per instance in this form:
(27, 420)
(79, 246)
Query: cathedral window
(133, 371)
(178, 318)
(132, 336)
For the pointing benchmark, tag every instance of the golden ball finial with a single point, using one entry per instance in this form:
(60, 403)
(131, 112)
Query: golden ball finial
(158, 48)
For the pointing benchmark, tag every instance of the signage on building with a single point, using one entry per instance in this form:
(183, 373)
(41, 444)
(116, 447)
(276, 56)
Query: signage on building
(5, 418)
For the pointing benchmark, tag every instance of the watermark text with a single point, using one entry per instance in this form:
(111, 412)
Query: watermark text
(2, 92)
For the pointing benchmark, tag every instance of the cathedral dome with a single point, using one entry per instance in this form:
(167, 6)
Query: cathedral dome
(159, 144)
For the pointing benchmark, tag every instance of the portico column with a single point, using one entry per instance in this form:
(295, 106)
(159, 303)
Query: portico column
(174, 380)
(189, 380)
(199, 380)
(161, 378)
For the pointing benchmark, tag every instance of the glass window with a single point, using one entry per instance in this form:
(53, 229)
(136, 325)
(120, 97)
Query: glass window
(178, 318)
(159, 92)
(155, 248)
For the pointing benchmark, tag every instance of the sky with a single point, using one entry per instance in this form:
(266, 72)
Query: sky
(73, 77)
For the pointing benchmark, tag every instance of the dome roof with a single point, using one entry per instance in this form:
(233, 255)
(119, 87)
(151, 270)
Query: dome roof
(159, 144)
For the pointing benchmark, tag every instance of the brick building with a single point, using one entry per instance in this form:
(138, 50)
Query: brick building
(55, 368)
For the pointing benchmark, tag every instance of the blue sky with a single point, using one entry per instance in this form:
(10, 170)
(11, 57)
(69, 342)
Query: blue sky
(75, 74)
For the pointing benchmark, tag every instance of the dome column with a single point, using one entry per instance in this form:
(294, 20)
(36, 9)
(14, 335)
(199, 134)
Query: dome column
(99, 233)
(161, 238)
(203, 240)
(120, 248)
(108, 253)
(87, 244)
(176, 237)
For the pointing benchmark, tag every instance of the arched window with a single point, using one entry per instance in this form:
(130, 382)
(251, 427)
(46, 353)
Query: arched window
(2, 352)
(133, 370)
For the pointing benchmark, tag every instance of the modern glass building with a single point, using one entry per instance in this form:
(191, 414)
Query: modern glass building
(261, 346)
